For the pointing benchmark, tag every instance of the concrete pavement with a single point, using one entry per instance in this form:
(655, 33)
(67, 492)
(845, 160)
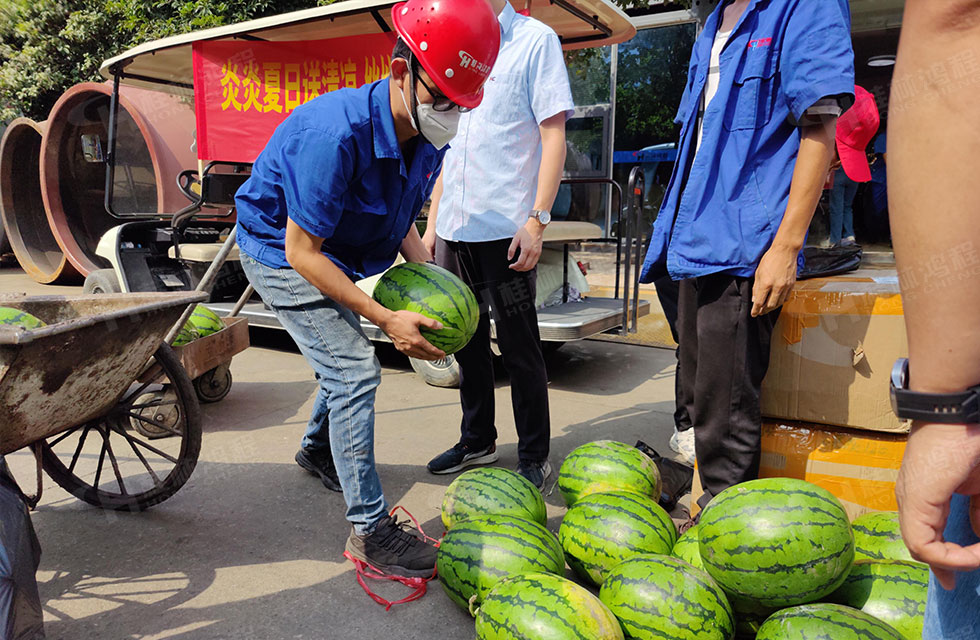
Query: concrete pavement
(251, 547)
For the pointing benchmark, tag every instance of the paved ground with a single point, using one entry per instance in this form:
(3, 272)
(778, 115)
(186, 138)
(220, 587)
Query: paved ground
(251, 547)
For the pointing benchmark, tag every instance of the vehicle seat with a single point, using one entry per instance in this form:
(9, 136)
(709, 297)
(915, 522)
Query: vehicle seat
(202, 252)
(571, 231)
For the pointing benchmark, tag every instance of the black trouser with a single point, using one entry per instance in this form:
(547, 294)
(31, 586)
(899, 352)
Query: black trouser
(667, 293)
(510, 297)
(724, 355)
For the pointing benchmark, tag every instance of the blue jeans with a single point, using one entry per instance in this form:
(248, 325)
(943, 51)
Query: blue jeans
(331, 339)
(955, 615)
(841, 207)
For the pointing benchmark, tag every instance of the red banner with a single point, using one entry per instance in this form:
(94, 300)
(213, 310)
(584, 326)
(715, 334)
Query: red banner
(244, 89)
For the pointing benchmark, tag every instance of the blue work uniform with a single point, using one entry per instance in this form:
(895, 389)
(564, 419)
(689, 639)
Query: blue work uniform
(334, 167)
(722, 209)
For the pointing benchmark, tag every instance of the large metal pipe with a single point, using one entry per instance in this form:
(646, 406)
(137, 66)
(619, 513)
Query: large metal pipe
(22, 207)
(155, 134)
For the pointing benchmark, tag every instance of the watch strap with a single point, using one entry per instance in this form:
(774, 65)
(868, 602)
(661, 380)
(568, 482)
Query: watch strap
(948, 408)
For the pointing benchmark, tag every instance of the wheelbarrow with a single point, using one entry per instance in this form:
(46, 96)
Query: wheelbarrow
(82, 391)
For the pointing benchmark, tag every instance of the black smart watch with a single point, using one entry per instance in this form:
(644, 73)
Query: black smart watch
(950, 408)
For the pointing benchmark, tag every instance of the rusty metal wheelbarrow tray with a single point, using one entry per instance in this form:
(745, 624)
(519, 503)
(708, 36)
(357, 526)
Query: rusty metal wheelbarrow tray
(77, 367)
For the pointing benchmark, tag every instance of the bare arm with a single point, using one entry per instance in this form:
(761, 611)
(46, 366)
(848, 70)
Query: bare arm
(529, 238)
(776, 275)
(303, 254)
(933, 195)
(429, 239)
(413, 249)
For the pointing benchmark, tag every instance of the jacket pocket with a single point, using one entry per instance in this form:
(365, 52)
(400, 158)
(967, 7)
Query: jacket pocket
(753, 95)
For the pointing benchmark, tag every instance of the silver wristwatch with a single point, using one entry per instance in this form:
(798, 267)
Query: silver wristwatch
(542, 216)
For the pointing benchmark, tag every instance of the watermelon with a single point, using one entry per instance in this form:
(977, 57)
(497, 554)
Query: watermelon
(541, 606)
(607, 465)
(604, 529)
(823, 621)
(12, 317)
(749, 616)
(877, 536)
(478, 553)
(688, 549)
(435, 293)
(777, 541)
(893, 591)
(663, 597)
(205, 321)
(492, 491)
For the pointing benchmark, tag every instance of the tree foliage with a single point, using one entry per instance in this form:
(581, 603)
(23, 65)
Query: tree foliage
(47, 46)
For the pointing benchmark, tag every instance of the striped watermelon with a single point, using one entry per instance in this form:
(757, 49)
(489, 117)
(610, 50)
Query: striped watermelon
(776, 541)
(663, 597)
(823, 621)
(205, 321)
(541, 606)
(13, 317)
(604, 529)
(877, 536)
(893, 591)
(688, 549)
(478, 553)
(492, 491)
(435, 293)
(607, 465)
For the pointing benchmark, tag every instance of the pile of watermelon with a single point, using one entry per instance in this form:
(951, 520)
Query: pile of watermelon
(772, 559)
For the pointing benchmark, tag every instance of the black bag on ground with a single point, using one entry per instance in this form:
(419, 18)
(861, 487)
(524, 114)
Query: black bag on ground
(819, 262)
(21, 617)
(676, 478)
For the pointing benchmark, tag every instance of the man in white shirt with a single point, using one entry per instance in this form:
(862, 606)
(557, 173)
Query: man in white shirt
(489, 210)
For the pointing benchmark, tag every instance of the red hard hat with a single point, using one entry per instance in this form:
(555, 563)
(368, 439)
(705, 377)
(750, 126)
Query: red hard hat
(456, 41)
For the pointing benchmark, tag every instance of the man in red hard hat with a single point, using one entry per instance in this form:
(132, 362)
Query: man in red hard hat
(332, 199)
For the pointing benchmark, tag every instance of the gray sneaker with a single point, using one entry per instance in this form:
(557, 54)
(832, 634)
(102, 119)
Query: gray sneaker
(394, 548)
(462, 456)
(536, 472)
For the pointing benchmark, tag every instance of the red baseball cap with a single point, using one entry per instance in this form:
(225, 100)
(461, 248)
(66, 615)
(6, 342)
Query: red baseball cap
(855, 129)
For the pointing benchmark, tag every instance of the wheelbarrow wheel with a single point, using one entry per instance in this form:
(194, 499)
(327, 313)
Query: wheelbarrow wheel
(213, 385)
(112, 463)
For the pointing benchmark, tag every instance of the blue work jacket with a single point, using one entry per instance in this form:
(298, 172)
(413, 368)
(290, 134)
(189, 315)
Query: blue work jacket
(334, 167)
(722, 208)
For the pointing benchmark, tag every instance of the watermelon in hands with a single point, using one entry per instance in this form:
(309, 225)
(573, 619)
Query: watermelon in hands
(435, 293)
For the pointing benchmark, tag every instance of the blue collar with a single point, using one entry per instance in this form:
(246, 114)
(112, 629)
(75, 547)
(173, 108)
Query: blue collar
(714, 20)
(506, 18)
(385, 139)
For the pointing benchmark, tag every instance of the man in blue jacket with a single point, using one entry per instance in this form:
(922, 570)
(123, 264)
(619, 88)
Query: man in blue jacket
(332, 199)
(767, 81)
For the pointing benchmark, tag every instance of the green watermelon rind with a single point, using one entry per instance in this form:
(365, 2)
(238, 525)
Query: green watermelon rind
(878, 536)
(477, 553)
(821, 621)
(656, 596)
(449, 300)
(18, 318)
(607, 465)
(777, 541)
(688, 549)
(492, 491)
(537, 605)
(204, 321)
(893, 591)
(605, 529)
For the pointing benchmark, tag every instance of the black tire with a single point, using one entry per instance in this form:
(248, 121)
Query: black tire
(213, 385)
(438, 373)
(102, 281)
(62, 458)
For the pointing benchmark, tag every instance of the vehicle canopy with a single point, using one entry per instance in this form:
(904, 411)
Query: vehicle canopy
(166, 64)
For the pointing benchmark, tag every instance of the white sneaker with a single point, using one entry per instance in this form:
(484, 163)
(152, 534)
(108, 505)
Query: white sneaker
(682, 442)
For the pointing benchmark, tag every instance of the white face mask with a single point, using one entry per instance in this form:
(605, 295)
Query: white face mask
(438, 127)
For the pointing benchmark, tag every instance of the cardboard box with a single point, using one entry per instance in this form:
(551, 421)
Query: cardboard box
(833, 350)
(858, 467)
